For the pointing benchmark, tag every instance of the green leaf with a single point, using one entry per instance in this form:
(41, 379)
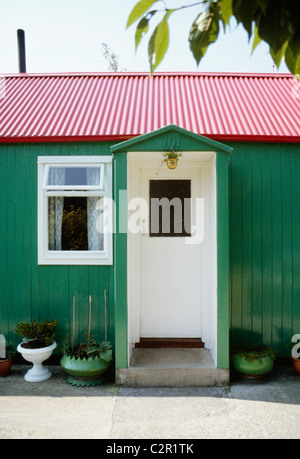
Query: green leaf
(263, 5)
(274, 28)
(256, 40)
(226, 9)
(204, 31)
(159, 42)
(139, 10)
(278, 55)
(292, 55)
(106, 355)
(141, 30)
(244, 12)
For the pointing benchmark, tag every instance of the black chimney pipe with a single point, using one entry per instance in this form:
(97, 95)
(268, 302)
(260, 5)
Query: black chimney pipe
(21, 50)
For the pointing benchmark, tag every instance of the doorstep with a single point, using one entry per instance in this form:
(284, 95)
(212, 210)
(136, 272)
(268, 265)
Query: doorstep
(171, 368)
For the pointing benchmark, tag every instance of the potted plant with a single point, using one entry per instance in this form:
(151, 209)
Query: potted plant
(171, 157)
(252, 361)
(296, 354)
(37, 346)
(86, 362)
(6, 361)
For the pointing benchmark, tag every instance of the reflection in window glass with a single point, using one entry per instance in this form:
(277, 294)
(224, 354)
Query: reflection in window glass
(75, 176)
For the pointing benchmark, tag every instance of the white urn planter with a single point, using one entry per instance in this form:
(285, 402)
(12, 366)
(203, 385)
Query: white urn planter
(38, 372)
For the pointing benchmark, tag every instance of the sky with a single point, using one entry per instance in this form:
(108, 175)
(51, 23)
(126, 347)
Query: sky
(67, 35)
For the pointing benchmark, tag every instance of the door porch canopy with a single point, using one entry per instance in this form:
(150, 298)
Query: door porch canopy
(162, 140)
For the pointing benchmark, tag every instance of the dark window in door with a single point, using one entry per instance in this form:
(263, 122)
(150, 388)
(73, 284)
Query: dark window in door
(170, 208)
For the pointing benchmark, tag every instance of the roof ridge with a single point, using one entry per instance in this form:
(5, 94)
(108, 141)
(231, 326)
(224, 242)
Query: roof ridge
(156, 74)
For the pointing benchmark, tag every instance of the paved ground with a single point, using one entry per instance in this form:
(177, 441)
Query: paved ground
(264, 409)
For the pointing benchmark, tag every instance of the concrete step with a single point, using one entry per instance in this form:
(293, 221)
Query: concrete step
(171, 368)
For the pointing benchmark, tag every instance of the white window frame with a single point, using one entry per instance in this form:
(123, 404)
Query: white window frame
(67, 257)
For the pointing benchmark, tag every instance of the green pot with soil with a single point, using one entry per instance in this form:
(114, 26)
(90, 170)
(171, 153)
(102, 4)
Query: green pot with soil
(252, 361)
(87, 362)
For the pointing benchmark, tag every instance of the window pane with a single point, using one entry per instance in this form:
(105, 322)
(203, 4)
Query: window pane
(170, 208)
(74, 223)
(76, 176)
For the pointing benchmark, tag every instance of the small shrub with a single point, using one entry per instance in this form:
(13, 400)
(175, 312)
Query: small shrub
(42, 333)
(253, 352)
(84, 350)
(10, 352)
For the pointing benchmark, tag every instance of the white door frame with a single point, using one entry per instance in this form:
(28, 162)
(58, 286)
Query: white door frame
(144, 160)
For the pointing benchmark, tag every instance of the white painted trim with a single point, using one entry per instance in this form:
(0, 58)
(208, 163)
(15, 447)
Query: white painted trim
(74, 160)
(149, 160)
(46, 257)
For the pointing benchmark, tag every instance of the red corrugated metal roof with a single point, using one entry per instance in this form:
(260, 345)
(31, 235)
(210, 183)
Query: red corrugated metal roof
(118, 106)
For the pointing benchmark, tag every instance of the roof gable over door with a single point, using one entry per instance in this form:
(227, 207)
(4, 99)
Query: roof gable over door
(170, 137)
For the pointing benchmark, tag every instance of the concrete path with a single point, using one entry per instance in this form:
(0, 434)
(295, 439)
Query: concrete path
(265, 409)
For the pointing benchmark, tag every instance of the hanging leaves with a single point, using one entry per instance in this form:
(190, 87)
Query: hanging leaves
(139, 9)
(276, 22)
(159, 43)
(204, 31)
(226, 9)
(292, 55)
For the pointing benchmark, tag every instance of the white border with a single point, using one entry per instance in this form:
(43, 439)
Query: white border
(141, 161)
(46, 257)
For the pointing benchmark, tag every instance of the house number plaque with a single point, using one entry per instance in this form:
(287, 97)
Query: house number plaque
(171, 142)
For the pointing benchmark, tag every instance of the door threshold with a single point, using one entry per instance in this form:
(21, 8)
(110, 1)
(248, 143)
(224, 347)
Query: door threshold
(180, 343)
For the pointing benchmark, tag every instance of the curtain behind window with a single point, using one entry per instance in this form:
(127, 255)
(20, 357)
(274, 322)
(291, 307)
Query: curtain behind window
(56, 208)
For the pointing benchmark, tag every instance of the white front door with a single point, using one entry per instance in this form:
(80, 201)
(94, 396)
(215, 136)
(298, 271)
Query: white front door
(170, 268)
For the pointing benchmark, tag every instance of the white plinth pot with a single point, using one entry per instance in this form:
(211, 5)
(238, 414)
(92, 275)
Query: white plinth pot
(38, 372)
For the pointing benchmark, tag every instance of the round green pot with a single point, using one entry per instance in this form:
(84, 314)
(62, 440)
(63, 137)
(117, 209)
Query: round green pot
(254, 368)
(84, 368)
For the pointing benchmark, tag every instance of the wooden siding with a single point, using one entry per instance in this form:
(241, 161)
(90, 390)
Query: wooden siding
(265, 244)
(29, 291)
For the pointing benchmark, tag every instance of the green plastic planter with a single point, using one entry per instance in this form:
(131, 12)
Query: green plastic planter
(84, 368)
(254, 368)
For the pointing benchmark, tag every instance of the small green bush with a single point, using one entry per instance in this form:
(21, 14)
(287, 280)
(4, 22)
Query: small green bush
(42, 333)
(172, 154)
(253, 352)
(9, 351)
(84, 350)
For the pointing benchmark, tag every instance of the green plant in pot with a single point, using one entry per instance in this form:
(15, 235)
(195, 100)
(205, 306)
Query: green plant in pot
(87, 361)
(252, 361)
(171, 158)
(37, 346)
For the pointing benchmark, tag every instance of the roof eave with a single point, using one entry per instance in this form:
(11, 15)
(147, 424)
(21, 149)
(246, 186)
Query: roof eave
(122, 138)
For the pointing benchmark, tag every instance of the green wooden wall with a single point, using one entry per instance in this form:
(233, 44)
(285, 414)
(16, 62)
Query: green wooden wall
(265, 244)
(29, 291)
